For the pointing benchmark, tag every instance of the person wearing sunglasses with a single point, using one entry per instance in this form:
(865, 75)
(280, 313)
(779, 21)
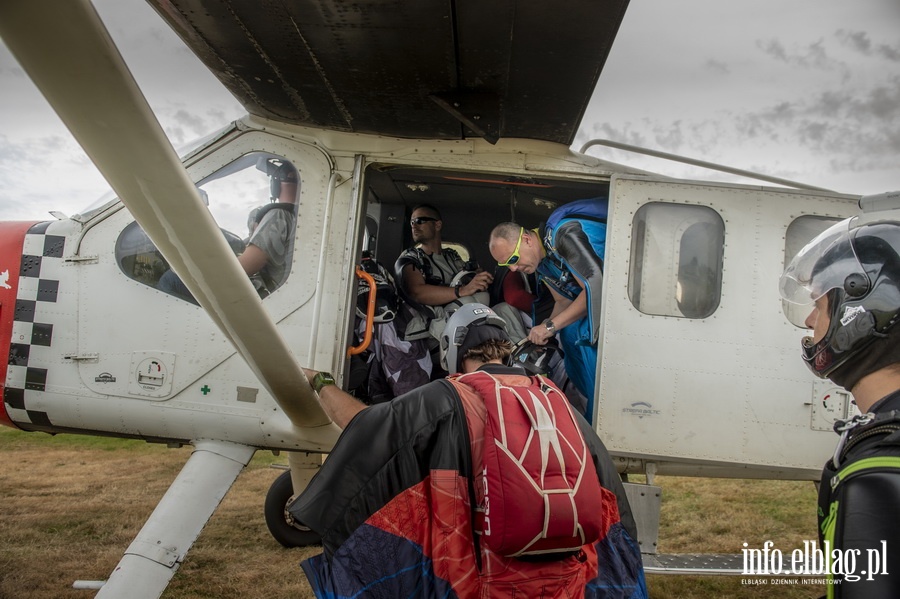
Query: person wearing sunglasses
(428, 274)
(425, 276)
(566, 253)
(428, 269)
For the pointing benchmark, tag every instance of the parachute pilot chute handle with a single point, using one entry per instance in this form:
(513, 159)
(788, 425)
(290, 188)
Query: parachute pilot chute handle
(370, 313)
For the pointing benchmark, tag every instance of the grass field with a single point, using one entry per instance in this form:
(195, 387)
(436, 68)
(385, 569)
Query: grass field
(70, 505)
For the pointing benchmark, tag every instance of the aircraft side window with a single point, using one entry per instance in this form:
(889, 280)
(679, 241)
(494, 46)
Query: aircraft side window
(254, 201)
(800, 232)
(676, 260)
(138, 257)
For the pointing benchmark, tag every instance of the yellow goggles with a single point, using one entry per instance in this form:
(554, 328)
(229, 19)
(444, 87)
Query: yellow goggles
(514, 258)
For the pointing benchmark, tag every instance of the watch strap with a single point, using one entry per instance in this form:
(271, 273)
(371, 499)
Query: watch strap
(322, 379)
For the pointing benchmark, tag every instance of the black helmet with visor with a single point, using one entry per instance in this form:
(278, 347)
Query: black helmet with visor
(853, 271)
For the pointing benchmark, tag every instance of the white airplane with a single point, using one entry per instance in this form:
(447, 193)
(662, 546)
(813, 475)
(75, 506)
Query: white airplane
(380, 108)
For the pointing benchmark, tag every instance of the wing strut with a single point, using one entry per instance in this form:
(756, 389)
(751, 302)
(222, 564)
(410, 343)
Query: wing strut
(157, 552)
(69, 55)
(694, 162)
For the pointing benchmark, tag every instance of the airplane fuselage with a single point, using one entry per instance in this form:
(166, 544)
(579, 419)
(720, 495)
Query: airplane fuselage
(698, 370)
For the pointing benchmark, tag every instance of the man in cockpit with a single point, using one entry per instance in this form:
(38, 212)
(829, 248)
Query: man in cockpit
(269, 248)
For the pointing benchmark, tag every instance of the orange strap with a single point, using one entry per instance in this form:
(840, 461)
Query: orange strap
(370, 313)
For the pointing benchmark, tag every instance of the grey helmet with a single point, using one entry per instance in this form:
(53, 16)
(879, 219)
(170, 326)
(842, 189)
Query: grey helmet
(857, 268)
(469, 326)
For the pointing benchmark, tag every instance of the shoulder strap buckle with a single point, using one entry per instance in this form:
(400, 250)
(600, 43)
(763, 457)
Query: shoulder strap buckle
(841, 426)
(844, 427)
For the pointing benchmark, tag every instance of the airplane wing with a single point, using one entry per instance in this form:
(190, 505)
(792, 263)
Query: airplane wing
(417, 69)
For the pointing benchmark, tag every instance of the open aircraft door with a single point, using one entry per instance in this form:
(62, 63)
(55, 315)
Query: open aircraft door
(699, 361)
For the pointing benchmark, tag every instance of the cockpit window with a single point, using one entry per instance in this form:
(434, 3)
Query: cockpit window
(254, 201)
(184, 150)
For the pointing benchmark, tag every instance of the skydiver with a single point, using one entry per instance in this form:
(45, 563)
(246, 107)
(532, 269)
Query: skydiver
(399, 512)
(567, 256)
(425, 275)
(851, 275)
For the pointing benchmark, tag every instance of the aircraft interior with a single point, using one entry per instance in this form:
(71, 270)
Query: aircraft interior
(470, 204)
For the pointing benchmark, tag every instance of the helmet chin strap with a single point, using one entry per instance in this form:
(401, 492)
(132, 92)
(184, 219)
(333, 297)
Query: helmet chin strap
(881, 353)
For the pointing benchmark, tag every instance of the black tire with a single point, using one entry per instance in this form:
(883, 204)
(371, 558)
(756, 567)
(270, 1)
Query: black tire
(282, 530)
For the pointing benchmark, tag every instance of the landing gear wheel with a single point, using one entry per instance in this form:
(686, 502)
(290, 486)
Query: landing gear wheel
(280, 523)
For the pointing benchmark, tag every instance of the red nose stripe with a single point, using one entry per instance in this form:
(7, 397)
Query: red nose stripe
(12, 235)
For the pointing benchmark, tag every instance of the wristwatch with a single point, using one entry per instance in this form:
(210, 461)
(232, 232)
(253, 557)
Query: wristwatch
(322, 379)
(551, 328)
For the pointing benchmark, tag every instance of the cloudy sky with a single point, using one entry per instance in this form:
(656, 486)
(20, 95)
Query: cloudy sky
(807, 90)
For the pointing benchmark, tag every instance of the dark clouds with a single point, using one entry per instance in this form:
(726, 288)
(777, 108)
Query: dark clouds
(845, 122)
(759, 85)
(853, 129)
(818, 101)
(813, 56)
(718, 67)
(848, 116)
(859, 40)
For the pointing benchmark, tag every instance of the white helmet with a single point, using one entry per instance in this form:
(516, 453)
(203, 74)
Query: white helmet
(470, 326)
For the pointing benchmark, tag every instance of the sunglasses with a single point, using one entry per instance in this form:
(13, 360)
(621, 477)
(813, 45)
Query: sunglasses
(419, 220)
(514, 259)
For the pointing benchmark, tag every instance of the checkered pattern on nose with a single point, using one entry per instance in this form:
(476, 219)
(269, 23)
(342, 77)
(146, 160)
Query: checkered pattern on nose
(32, 335)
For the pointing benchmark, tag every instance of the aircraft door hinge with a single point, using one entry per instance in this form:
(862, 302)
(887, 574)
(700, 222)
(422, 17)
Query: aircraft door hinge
(83, 259)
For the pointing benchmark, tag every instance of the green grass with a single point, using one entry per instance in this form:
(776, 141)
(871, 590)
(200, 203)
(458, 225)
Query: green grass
(72, 504)
(12, 439)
